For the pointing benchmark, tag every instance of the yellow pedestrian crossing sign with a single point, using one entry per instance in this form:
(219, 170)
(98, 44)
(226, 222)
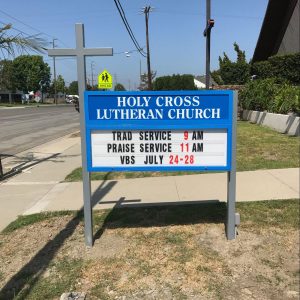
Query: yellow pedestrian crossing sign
(105, 80)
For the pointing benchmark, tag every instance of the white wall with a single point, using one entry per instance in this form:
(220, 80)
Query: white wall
(288, 124)
(199, 84)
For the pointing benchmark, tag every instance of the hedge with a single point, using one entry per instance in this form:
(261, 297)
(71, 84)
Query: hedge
(174, 82)
(266, 95)
(284, 68)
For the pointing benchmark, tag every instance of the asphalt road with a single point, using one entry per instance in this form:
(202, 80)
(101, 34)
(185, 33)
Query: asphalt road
(24, 128)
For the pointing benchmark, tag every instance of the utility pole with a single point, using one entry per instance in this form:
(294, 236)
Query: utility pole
(92, 72)
(140, 72)
(115, 79)
(146, 11)
(209, 24)
(54, 71)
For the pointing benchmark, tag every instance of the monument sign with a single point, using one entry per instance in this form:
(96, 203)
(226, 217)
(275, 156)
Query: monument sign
(159, 131)
(153, 131)
(164, 131)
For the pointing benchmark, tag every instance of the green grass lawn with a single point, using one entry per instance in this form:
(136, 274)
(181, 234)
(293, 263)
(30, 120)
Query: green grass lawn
(257, 148)
(281, 213)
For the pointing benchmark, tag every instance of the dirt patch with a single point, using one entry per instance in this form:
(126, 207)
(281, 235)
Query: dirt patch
(18, 248)
(193, 261)
(108, 245)
(263, 265)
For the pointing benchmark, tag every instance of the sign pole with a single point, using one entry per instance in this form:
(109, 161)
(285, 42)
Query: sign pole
(231, 178)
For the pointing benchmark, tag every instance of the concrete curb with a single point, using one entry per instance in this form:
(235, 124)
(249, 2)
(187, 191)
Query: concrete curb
(288, 124)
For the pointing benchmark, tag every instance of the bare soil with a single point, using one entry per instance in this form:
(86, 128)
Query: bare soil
(42, 260)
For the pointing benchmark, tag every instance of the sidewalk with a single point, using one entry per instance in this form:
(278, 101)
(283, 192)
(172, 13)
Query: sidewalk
(251, 186)
(19, 193)
(40, 188)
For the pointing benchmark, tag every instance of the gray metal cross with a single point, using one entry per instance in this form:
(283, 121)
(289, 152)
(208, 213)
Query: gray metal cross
(81, 52)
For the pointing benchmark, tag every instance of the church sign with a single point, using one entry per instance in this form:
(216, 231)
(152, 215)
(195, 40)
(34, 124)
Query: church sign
(158, 131)
(152, 131)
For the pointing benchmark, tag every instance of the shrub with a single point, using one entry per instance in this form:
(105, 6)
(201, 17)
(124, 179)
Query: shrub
(119, 87)
(281, 67)
(262, 69)
(287, 99)
(258, 94)
(266, 95)
(174, 82)
(235, 72)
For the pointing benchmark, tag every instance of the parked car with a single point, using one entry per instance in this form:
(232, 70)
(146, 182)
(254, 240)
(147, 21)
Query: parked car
(70, 98)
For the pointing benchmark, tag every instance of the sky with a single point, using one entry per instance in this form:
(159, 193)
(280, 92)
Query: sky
(177, 45)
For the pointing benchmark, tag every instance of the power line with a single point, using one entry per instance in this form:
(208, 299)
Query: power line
(127, 52)
(31, 36)
(16, 29)
(128, 28)
(27, 35)
(31, 27)
(123, 12)
(23, 33)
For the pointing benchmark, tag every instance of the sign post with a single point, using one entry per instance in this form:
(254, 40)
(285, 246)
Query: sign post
(232, 222)
(164, 131)
(80, 52)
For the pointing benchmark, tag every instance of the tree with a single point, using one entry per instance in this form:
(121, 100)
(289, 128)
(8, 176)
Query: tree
(233, 72)
(60, 85)
(73, 88)
(92, 88)
(216, 76)
(30, 72)
(119, 87)
(144, 81)
(6, 72)
(284, 68)
(12, 43)
(175, 82)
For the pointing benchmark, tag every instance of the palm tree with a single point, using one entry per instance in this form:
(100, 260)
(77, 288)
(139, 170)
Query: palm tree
(12, 43)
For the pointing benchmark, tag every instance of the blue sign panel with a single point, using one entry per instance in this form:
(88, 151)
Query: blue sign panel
(158, 131)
